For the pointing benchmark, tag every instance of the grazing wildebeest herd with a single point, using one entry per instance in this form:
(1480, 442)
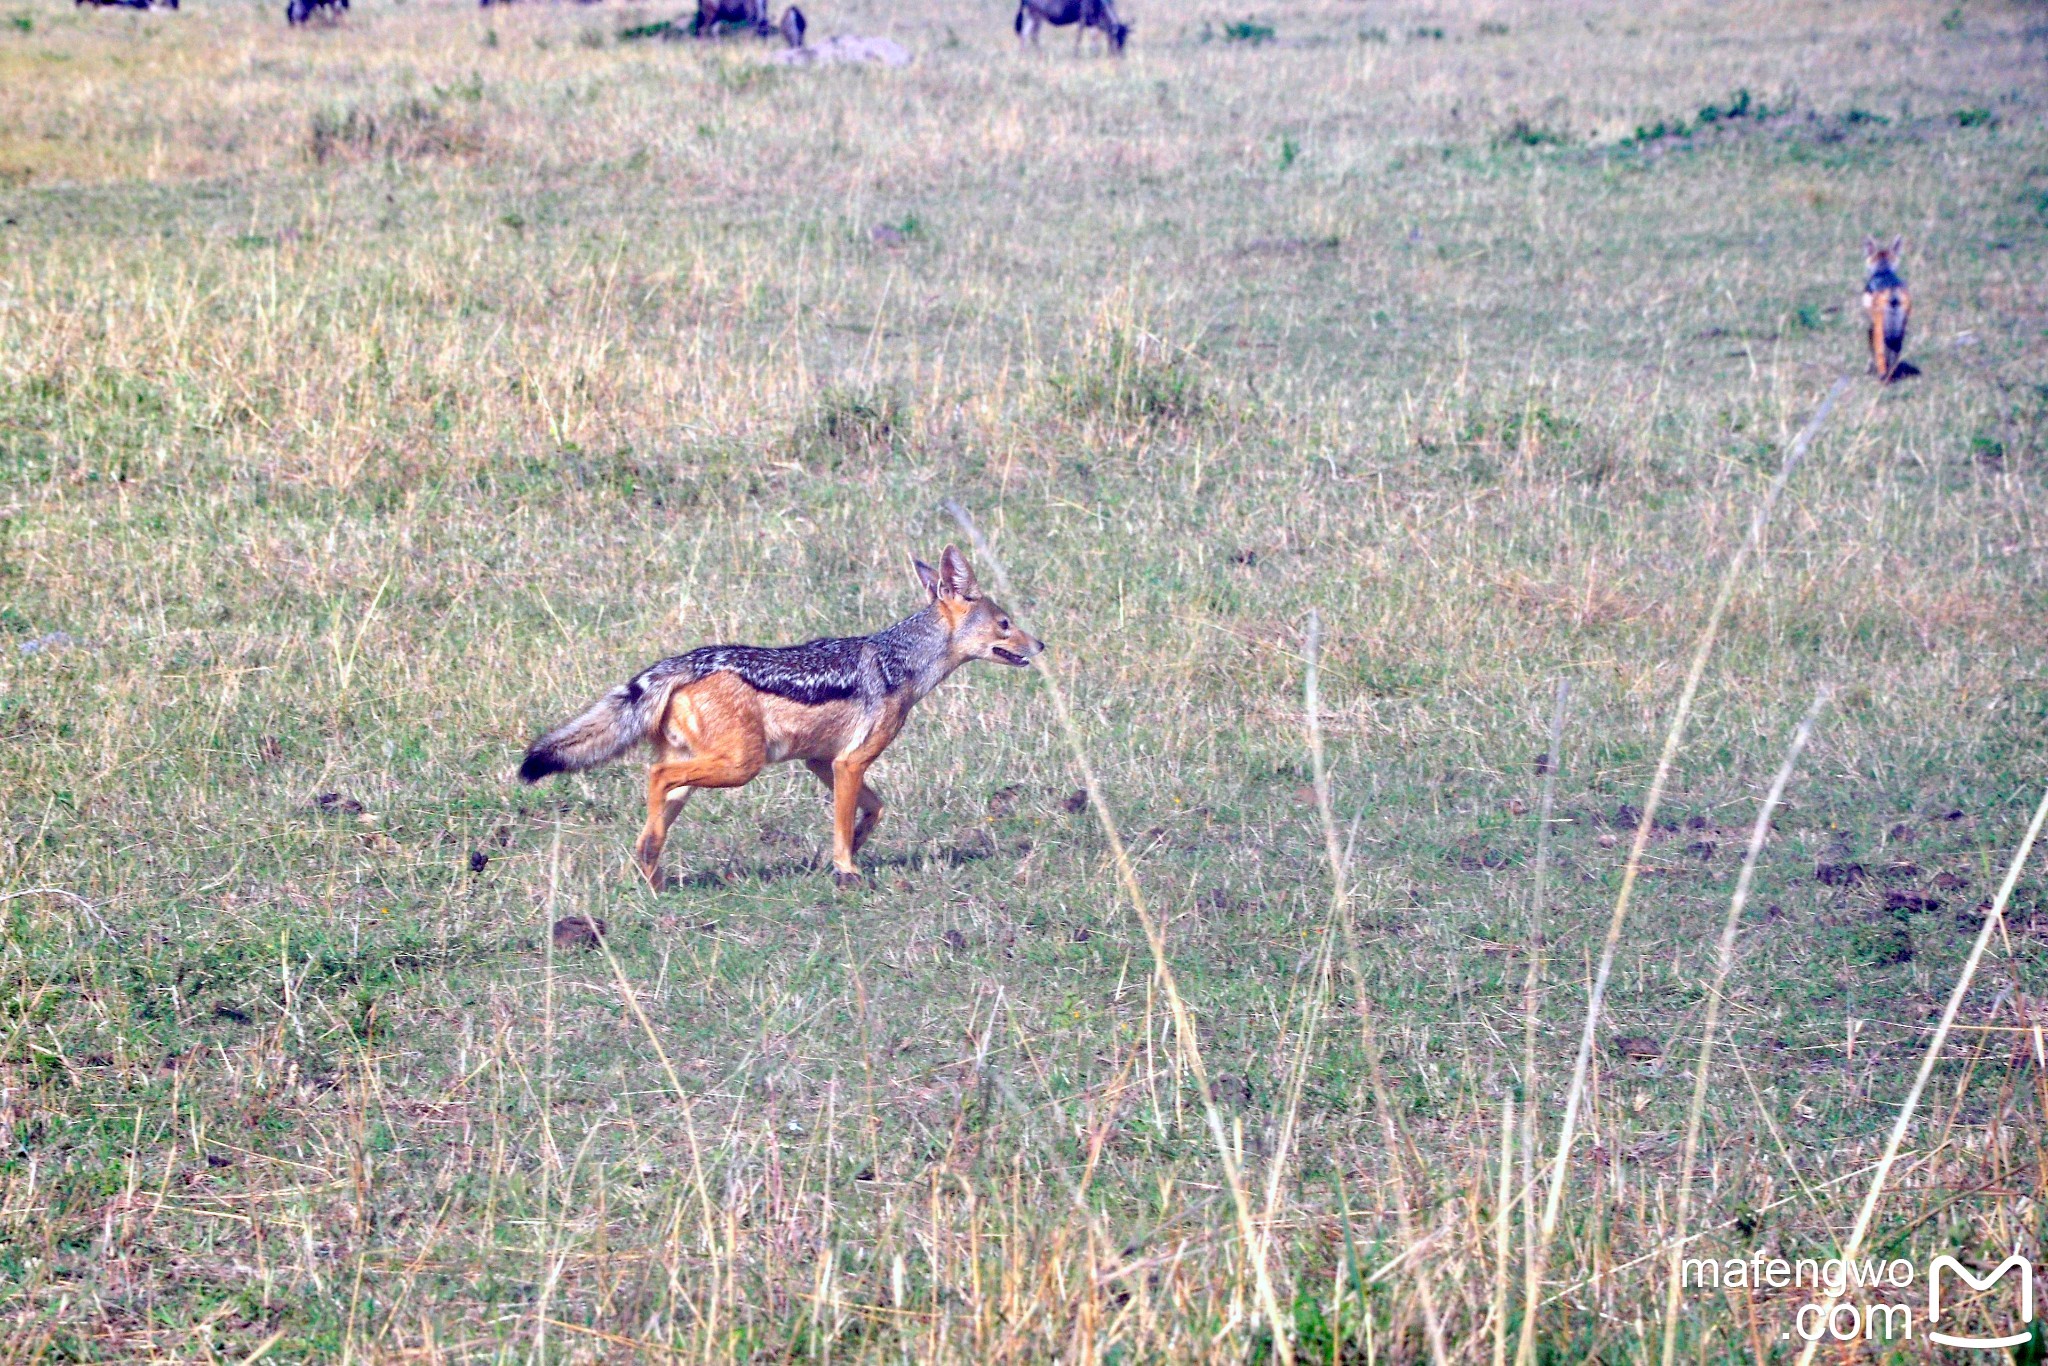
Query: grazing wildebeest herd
(714, 16)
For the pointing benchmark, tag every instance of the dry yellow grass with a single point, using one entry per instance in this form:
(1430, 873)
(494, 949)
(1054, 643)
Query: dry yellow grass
(373, 394)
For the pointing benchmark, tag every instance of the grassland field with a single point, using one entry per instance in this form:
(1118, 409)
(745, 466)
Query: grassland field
(375, 394)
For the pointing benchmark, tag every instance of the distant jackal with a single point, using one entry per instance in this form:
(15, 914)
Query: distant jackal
(1887, 304)
(718, 715)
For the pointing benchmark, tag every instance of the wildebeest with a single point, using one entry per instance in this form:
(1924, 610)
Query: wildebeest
(297, 12)
(752, 13)
(1033, 15)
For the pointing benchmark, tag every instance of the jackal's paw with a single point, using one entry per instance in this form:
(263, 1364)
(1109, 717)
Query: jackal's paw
(655, 877)
(842, 878)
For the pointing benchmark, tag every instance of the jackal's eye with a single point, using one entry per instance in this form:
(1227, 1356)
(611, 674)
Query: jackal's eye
(1003, 625)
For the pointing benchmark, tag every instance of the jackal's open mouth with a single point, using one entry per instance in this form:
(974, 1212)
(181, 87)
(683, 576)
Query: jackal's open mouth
(1015, 660)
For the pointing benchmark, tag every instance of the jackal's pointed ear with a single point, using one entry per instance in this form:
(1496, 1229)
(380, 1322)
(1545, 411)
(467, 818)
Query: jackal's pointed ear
(956, 580)
(927, 576)
(1869, 245)
(1898, 246)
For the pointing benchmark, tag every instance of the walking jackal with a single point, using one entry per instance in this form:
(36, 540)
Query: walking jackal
(720, 714)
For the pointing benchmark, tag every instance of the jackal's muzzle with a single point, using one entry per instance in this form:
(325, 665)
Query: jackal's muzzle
(1019, 659)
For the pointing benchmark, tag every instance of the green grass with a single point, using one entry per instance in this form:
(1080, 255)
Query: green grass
(373, 396)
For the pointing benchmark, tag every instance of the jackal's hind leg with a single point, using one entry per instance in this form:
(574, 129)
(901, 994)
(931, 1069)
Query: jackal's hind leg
(664, 804)
(669, 785)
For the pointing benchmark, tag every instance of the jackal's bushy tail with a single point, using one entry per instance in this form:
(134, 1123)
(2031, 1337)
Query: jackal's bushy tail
(619, 720)
(1896, 306)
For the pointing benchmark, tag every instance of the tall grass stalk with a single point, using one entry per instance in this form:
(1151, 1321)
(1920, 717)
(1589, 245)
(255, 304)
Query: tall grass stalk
(1993, 919)
(1724, 961)
(1396, 1142)
(1183, 1024)
(1503, 1209)
(1546, 810)
(550, 1157)
(1597, 997)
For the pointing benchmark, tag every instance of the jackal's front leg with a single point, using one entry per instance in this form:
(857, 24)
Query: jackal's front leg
(870, 802)
(848, 783)
(870, 817)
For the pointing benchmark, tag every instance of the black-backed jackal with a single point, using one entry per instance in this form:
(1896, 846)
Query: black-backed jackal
(1887, 305)
(720, 714)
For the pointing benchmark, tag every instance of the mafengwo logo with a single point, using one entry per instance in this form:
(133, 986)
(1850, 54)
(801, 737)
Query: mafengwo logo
(1872, 1301)
(1982, 1284)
